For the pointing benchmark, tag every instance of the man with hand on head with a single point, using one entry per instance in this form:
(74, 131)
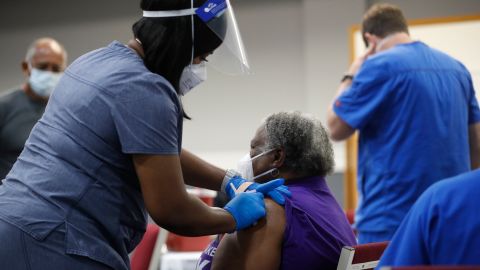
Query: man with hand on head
(417, 115)
(21, 108)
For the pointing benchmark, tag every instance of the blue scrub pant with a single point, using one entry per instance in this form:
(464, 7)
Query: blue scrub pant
(19, 251)
(370, 237)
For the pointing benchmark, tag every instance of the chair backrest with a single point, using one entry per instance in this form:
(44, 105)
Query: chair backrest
(364, 256)
(143, 252)
(431, 267)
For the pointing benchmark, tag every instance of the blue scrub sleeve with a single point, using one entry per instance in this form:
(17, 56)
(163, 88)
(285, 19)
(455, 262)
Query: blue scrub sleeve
(410, 244)
(147, 125)
(359, 103)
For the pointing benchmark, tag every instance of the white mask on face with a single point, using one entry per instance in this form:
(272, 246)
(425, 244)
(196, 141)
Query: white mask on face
(43, 82)
(245, 166)
(192, 76)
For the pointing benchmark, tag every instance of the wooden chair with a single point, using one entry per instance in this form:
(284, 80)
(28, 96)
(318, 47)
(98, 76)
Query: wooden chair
(364, 256)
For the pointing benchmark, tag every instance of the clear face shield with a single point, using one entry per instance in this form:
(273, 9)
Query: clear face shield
(230, 57)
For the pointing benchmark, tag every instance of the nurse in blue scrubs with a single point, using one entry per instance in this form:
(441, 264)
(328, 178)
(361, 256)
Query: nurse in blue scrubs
(109, 149)
(442, 228)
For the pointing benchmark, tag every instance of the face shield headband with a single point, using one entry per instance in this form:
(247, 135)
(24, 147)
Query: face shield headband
(230, 57)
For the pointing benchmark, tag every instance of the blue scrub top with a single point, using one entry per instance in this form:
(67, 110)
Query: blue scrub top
(412, 105)
(76, 170)
(442, 228)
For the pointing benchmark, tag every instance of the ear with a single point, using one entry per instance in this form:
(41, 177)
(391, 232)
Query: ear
(370, 38)
(279, 157)
(25, 68)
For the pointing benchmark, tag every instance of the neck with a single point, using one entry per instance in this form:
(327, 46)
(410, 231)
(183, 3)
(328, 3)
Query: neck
(291, 177)
(32, 95)
(392, 40)
(136, 47)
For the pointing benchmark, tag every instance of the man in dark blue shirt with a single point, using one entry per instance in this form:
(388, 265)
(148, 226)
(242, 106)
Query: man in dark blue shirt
(442, 226)
(21, 108)
(417, 115)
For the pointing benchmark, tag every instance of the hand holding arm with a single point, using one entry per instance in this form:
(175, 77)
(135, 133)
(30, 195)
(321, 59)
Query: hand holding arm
(274, 189)
(246, 209)
(358, 62)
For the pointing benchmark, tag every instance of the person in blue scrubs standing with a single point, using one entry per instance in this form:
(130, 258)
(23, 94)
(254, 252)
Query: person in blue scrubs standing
(108, 150)
(417, 117)
(442, 228)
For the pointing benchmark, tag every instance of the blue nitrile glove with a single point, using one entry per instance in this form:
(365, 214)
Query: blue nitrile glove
(274, 189)
(246, 208)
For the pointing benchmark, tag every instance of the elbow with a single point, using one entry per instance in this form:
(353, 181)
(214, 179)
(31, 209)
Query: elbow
(338, 129)
(164, 217)
(336, 136)
(334, 132)
(161, 218)
(179, 228)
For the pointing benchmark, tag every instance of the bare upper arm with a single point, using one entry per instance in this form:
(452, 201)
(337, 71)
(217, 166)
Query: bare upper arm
(160, 178)
(258, 247)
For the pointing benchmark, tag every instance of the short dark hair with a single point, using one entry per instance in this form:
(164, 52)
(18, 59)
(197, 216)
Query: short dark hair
(384, 19)
(167, 42)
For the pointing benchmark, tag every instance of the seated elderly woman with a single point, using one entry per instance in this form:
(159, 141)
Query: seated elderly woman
(309, 231)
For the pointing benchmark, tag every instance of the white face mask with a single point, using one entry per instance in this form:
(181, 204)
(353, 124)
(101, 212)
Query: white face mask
(245, 166)
(43, 82)
(192, 76)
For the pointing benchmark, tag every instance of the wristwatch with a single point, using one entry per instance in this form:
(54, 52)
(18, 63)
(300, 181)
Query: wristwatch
(347, 77)
(229, 174)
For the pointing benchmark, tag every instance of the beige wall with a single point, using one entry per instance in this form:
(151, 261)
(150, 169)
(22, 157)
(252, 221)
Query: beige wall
(298, 51)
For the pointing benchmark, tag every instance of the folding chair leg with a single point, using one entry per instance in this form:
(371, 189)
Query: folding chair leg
(157, 250)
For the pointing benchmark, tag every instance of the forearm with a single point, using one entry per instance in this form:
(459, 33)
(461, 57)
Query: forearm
(199, 173)
(168, 202)
(474, 141)
(342, 87)
(194, 218)
(339, 130)
(331, 116)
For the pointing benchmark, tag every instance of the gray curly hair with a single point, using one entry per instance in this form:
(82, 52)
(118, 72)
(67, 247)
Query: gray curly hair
(308, 150)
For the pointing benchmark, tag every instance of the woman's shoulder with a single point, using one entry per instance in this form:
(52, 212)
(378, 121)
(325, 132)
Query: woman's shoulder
(275, 218)
(273, 208)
